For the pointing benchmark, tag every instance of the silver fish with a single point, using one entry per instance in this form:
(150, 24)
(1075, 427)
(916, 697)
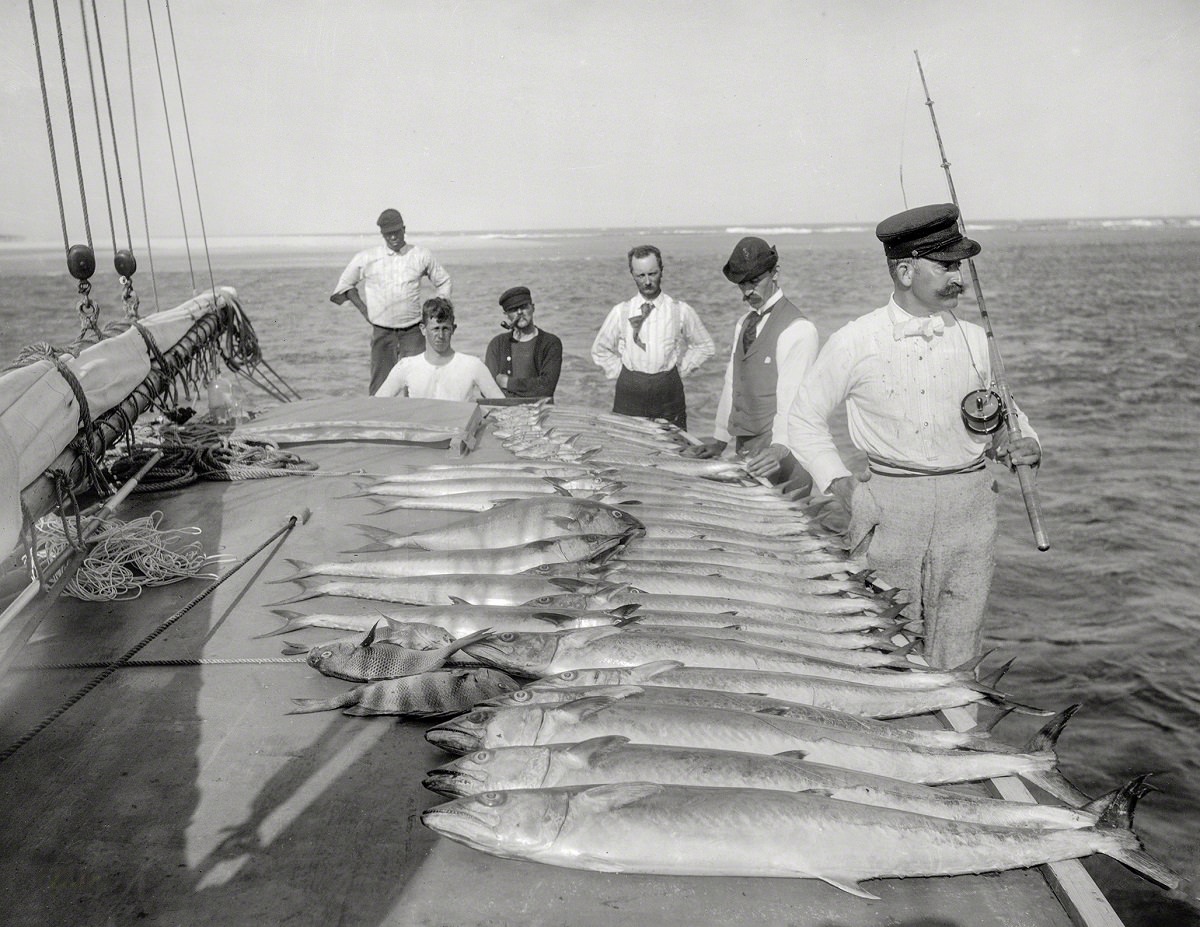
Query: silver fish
(369, 659)
(604, 760)
(515, 523)
(426, 695)
(758, 832)
(456, 620)
(475, 588)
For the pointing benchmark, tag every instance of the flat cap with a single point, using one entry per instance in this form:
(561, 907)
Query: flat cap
(752, 257)
(926, 232)
(390, 220)
(515, 297)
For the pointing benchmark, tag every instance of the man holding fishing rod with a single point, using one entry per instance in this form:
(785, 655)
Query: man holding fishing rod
(907, 372)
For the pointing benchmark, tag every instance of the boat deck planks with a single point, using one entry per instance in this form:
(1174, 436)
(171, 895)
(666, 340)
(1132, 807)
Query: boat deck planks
(187, 795)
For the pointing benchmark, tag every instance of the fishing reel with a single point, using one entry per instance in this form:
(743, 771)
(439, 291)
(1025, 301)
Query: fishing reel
(983, 411)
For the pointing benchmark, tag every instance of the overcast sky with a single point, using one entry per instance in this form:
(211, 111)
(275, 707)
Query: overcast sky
(309, 116)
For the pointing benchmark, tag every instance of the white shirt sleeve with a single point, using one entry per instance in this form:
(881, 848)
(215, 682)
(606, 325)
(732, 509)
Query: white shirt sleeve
(700, 345)
(794, 353)
(396, 383)
(824, 388)
(352, 275)
(725, 402)
(485, 382)
(605, 349)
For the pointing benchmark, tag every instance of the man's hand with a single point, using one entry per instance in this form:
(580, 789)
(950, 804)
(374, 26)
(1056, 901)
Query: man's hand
(765, 463)
(843, 488)
(709, 447)
(1023, 452)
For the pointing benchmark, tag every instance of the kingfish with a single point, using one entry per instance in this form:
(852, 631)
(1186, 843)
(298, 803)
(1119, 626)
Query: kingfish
(515, 523)
(475, 588)
(426, 695)
(590, 548)
(757, 832)
(533, 694)
(720, 729)
(543, 654)
(870, 696)
(604, 760)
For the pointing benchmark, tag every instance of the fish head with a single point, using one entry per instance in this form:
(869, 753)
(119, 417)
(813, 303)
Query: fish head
(481, 728)
(575, 678)
(328, 655)
(560, 600)
(522, 652)
(516, 823)
(599, 518)
(547, 695)
(490, 770)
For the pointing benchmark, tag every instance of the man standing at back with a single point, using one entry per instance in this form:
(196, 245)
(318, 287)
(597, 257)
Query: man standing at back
(773, 348)
(926, 507)
(384, 284)
(648, 344)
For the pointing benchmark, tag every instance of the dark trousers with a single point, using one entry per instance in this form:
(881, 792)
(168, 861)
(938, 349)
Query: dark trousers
(388, 345)
(651, 395)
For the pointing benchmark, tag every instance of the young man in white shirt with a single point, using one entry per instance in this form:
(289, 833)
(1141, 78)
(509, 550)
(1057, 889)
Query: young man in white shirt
(926, 505)
(440, 372)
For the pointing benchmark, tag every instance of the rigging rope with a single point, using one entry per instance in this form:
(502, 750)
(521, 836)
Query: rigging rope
(138, 146)
(87, 46)
(37, 46)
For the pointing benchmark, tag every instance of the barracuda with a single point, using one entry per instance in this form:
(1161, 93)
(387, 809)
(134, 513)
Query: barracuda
(477, 589)
(749, 832)
(457, 619)
(720, 729)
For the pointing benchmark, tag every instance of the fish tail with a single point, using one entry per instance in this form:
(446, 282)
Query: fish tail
(382, 540)
(292, 622)
(305, 568)
(1116, 822)
(307, 705)
(306, 593)
(467, 641)
(1047, 737)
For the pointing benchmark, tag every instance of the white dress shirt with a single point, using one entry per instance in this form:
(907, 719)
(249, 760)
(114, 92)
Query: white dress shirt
(795, 352)
(903, 395)
(464, 378)
(389, 282)
(673, 334)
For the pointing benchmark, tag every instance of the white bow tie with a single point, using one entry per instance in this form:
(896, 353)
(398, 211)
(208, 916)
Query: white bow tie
(926, 327)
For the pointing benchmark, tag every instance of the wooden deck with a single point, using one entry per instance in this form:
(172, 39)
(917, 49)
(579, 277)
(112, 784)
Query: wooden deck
(186, 795)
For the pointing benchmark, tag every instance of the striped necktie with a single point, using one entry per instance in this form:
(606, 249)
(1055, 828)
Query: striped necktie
(750, 331)
(636, 322)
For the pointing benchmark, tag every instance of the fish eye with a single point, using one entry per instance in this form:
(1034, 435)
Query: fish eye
(481, 756)
(507, 636)
(479, 716)
(521, 696)
(326, 654)
(568, 675)
(492, 799)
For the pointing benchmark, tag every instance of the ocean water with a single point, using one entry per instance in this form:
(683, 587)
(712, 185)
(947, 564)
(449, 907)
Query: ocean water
(1099, 325)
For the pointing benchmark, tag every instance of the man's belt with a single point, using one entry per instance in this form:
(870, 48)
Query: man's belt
(403, 328)
(882, 467)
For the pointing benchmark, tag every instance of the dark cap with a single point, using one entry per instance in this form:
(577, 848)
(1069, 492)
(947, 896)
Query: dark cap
(926, 232)
(515, 297)
(390, 220)
(752, 257)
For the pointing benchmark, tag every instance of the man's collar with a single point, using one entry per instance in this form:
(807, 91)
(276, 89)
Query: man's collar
(770, 303)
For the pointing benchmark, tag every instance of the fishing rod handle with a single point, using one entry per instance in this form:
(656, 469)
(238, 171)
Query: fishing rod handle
(1032, 506)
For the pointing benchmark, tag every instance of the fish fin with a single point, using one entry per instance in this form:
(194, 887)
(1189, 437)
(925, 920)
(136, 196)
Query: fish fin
(615, 795)
(970, 667)
(298, 597)
(1116, 820)
(647, 671)
(793, 755)
(564, 522)
(369, 639)
(357, 711)
(584, 708)
(1056, 784)
(892, 611)
(986, 727)
(578, 755)
(1047, 737)
(861, 547)
(466, 641)
(305, 568)
(851, 888)
(308, 705)
(290, 623)
(293, 650)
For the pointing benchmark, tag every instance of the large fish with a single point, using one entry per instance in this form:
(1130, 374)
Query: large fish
(720, 561)
(733, 701)
(543, 654)
(665, 577)
(426, 695)
(589, 548)
(860, 692)
(440, 473)
(605, 760)
(498, 482)
(515, 523)
(369, 659)
(722, 729)
(455, 620)
(683, 830)
(476, 588)
(797, 549)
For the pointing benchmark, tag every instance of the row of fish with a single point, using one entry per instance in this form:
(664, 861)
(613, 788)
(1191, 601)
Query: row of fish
(695, 657)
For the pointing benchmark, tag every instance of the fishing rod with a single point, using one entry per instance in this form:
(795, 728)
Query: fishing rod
(985, 405)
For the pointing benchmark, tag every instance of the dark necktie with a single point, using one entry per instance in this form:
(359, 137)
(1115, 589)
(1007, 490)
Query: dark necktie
(750, 331)
(636, 322)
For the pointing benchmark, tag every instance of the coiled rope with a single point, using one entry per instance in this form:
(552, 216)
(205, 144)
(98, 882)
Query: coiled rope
(127, 556)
